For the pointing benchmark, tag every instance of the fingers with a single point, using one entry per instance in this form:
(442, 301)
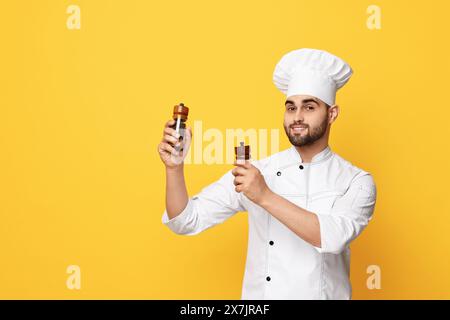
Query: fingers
(166, 147)
(172, 132)
(170, 139)
(238, 171)
(246, 164)
(238, 180)
(170, 135)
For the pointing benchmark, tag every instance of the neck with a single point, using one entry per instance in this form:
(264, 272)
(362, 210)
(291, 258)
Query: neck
(309, 151)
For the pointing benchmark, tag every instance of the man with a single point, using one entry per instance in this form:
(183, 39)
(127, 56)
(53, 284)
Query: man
(305, 204)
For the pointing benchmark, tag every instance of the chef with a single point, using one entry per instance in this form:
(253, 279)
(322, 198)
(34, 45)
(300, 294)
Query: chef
(305, 204)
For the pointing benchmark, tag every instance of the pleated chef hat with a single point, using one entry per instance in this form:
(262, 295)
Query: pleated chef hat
(311, 72)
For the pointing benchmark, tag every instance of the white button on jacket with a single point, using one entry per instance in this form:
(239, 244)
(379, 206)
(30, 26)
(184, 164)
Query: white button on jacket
(281, 265)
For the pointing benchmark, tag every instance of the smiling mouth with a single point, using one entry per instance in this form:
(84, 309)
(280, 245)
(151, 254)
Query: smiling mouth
(296, 129)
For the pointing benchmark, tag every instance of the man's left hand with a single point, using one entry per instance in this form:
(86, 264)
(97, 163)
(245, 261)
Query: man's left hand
(249, 180)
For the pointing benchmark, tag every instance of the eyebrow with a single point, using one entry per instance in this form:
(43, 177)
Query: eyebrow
(305, 101)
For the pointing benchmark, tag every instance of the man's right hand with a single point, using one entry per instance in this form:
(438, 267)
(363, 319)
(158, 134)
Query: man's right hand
(166, 148)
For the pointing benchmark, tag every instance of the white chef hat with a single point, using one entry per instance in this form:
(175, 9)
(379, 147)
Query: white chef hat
(311, 72)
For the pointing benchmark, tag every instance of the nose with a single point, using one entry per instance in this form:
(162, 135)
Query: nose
(299, 115)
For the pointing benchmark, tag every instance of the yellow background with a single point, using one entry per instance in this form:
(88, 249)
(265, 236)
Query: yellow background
(82, 113)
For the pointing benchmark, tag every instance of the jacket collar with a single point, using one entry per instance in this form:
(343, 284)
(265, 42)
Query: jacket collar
(318, 157)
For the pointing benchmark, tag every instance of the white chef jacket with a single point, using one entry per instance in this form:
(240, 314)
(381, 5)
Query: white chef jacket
(281, 265)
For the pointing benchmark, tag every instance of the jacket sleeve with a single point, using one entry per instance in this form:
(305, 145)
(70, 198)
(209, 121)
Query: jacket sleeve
(212, 205)
(349, 215)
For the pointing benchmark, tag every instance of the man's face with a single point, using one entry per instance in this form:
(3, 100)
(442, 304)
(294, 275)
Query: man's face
(305, 119)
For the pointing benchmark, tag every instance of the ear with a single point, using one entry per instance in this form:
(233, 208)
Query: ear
(333, 113)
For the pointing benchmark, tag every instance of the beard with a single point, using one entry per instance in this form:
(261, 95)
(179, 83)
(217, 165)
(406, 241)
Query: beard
(313, 134)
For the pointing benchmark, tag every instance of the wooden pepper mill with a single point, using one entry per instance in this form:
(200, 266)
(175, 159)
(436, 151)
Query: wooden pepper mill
(180, 115)
(242, 153)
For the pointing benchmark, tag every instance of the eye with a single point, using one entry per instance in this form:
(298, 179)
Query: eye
(309, 107)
